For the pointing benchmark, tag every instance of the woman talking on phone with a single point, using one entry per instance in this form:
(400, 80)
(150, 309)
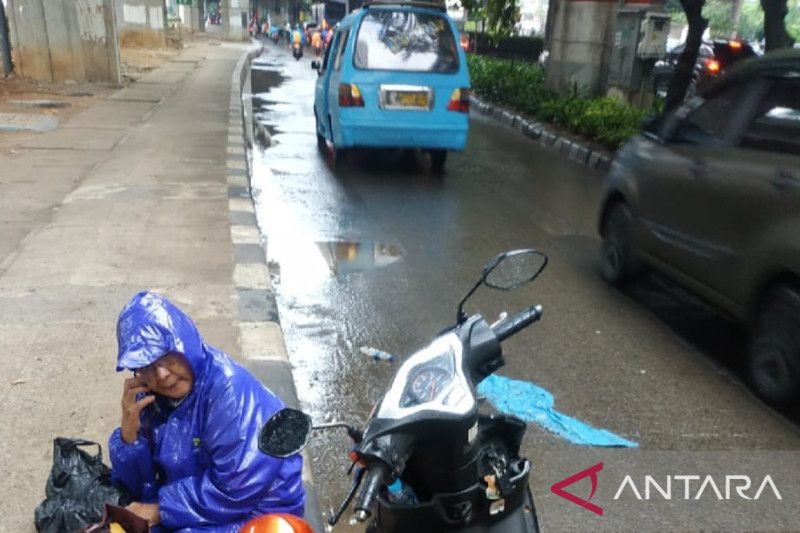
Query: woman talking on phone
(187, 446)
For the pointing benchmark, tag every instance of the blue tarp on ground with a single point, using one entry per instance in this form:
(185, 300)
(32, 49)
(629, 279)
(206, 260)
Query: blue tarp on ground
(534, 404)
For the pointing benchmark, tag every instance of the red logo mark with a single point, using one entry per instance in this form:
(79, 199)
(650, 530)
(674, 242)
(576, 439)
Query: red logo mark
(591, 472)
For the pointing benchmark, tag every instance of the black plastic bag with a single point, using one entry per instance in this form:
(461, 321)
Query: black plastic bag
(77, 489)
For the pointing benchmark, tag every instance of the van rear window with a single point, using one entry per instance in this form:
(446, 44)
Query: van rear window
(406, 41)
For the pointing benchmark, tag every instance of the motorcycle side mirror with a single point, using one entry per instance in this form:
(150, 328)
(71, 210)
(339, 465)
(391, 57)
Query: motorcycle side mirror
(514, 269)
(315, 65)
(507, 271)
(285, 433)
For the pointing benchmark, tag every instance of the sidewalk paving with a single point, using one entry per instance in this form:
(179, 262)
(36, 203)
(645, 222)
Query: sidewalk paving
(131, 193)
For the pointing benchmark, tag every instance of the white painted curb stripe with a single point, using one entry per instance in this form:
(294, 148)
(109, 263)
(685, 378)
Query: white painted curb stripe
(245, 235)
(251, 276)
(241, 204)
(262, 341)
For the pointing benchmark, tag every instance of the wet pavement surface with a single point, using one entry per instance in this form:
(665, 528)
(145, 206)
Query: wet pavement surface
(379, 254)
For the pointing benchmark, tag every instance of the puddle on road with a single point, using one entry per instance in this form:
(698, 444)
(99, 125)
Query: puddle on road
(332, 259)
(344, 257)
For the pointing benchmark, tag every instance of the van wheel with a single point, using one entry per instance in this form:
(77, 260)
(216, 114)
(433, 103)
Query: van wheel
(617, 262)
(320, 138)
(438, 159)
(773, 363)
(336, 156)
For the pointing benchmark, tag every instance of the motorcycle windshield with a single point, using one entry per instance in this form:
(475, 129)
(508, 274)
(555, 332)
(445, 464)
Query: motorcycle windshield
(430, 380)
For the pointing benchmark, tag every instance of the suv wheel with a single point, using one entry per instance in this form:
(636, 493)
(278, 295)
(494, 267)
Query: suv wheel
(774, 357)
(617, 263)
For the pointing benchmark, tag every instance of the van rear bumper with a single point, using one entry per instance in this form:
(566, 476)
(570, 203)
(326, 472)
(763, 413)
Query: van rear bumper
(366, 134)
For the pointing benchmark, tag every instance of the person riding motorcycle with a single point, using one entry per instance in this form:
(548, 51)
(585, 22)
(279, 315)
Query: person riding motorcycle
(316, 42)
(187, 447)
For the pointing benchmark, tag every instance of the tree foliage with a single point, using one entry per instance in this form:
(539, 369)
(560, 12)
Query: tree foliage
(502, 17)
(751, 22)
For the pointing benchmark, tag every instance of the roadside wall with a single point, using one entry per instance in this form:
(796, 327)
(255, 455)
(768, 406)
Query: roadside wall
(142, 23)
(59, 40)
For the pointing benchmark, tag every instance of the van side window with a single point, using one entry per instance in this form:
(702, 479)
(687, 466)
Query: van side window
(327, 55)
(776, 126)
(337, 65)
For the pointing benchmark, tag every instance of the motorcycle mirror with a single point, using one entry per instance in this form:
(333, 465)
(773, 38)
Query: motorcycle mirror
(513, 269)
(507, 271)
(285, 433)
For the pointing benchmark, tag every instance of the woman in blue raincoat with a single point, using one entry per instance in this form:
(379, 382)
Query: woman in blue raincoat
(187, 447)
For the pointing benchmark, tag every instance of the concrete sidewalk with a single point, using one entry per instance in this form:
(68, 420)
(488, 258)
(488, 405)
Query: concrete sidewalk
(141, 190)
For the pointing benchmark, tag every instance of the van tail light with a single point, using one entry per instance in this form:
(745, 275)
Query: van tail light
(713, 66)
(350, 96)
(735, 45)
(459, 101)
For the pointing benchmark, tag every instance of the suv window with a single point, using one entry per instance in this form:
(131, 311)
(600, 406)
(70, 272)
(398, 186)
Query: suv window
(710, 123)
(406, 41)
(776, 126)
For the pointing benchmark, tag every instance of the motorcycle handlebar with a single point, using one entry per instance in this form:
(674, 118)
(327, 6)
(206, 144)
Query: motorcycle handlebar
(375, 476)
(518, 322)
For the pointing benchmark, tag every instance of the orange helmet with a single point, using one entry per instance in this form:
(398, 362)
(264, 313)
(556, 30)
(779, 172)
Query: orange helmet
(277, 523)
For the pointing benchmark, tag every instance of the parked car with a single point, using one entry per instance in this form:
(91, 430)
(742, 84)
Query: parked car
(394, 76)
(713, 58)
(710, 195)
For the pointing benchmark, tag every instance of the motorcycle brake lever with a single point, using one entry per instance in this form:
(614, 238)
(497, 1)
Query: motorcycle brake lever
(349, 498)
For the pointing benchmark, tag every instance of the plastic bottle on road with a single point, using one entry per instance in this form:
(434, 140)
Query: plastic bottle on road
(378, 355)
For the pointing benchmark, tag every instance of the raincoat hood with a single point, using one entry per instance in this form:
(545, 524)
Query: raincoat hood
(151, 326)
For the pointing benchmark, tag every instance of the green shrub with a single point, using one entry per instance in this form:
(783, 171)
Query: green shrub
(520, 85)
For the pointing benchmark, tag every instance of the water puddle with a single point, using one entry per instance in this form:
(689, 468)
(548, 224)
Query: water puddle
(345, 257)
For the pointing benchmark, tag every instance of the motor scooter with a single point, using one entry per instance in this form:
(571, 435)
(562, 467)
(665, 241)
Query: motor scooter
(428, 459)
(297, 50)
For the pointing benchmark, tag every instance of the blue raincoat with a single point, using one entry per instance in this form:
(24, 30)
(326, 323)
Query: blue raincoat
(199, 459)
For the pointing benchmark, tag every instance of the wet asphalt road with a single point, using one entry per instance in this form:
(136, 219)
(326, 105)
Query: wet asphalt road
(379, 254)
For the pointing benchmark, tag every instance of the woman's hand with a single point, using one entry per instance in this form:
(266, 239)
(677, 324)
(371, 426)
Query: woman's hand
(148, 511)
(131, 409)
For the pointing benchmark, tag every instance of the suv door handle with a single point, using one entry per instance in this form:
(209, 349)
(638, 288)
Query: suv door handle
(784, 181)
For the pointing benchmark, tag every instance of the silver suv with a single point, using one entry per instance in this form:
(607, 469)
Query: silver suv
(710, 195)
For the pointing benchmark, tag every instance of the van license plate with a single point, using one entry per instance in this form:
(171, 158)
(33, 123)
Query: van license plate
(407, 99)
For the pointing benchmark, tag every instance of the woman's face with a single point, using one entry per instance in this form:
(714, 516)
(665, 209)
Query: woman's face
(170, 376)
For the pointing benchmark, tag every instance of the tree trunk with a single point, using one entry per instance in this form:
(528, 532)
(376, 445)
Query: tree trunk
(775, 33)
(736, 16)
(686, 62)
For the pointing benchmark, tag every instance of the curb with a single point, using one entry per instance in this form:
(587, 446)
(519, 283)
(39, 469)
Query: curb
(263, 348)
(538, 132)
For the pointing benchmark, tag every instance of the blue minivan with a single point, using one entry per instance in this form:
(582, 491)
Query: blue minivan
(394, 76)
